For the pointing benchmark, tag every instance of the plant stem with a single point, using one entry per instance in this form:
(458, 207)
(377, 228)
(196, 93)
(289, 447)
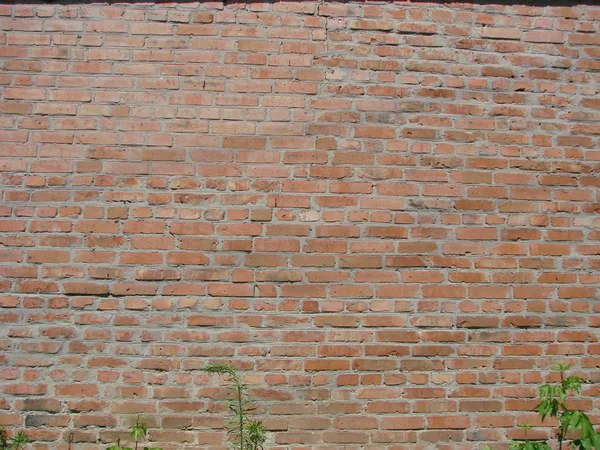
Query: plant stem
(240, 413)
(136, 427)
(560, 434)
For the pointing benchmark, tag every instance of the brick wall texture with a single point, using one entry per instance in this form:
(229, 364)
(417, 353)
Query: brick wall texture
(384, 213)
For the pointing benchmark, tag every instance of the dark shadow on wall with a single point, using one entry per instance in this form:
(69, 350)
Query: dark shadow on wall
(479, 4)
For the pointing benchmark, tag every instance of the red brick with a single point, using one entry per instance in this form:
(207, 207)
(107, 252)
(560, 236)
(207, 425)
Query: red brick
(500, 33)
(555, 37)
(77, 390)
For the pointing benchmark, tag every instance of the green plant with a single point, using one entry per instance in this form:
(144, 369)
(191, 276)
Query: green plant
(527, 444)
(553, 402)
(118, 446)
(244, 433)
(138, 432)
(3, 439)
(12, 443)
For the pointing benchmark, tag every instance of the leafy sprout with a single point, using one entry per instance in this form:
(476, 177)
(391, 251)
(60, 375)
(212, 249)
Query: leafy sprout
(13, 443)
(553, 402)
(139, 431)
(244, 434)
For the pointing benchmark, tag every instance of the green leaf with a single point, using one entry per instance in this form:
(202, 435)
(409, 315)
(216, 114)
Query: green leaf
(565, 418)
(596, 441)
(19, 440)
(575, 420)
(573, 383)
(139, 430)
(583, 444)
(220, 368)
(562, 394)
(587, 429)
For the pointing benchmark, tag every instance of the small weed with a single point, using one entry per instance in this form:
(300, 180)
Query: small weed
(244, 433)
(553, 402)
(138, 433)
(12, 443)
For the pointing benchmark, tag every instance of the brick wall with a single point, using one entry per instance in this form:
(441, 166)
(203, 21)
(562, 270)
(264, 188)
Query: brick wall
(385, 213)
